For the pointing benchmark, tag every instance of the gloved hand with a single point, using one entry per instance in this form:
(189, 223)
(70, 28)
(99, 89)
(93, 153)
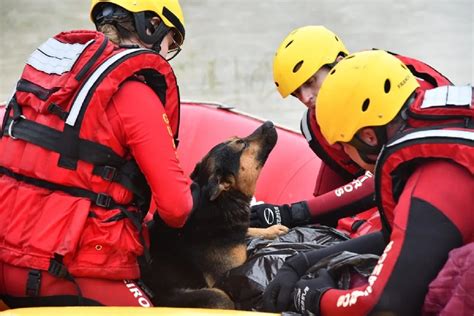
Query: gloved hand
(278, 294)
(308, 292)
(265, 215)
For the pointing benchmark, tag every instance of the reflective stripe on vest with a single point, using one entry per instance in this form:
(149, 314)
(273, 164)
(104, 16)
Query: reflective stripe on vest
(336, 159)
(93, 79)
(448, 95)
(459, 134)
(55, 57)
(305, 128)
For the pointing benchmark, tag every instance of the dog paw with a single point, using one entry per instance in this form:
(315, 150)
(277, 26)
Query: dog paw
(271, 232)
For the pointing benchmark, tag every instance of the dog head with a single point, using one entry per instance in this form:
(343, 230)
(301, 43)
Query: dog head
(234, 165)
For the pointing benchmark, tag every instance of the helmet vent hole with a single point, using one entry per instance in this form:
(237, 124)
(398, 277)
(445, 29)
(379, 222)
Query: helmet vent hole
(387, 86)
(332, 71)
(365, 105)
(336, 38)
(289, 43)
(298, 66)
(276, 84)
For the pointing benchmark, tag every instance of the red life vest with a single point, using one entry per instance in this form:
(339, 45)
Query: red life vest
(334, 156)
(82, 196)
(441, 124)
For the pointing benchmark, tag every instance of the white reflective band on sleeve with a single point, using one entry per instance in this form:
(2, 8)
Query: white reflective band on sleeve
(54, 57)
(305, 127)
(81, 96)
(466, 135)
(448, 95)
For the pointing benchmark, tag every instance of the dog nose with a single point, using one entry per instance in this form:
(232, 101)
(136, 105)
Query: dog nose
(268, 124)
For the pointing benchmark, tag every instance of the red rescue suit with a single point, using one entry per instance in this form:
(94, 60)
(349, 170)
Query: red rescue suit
(425, 193)
(338, 169)
(71, 193)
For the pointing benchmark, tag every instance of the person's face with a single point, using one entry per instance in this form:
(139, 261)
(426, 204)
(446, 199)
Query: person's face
(166, 43)
(309, 90)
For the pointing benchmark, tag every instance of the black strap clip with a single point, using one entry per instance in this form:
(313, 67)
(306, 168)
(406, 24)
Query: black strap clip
(12, 124)
(108, 173)
(58, 269)
(33, 283)
(103, 200)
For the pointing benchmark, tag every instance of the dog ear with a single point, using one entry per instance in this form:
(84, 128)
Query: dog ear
(217, 185)
(196, 171)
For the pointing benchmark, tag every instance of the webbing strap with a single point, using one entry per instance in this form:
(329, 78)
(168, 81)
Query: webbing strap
(58, 269)
(99, 199)
(48, 138)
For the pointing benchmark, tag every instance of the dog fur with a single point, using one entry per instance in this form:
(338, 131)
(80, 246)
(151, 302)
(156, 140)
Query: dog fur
(187, 262)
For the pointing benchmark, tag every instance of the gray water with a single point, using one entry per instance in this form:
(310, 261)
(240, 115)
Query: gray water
(229, 47)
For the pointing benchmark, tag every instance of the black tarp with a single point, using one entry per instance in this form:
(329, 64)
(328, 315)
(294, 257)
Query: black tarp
(245, 284)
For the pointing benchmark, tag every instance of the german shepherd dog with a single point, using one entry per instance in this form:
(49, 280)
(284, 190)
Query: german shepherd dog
(187, 262)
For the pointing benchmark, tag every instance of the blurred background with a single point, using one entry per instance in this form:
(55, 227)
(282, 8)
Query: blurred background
(228, 52)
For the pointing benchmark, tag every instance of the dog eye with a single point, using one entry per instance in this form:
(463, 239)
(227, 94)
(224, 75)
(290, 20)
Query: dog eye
(241, 141)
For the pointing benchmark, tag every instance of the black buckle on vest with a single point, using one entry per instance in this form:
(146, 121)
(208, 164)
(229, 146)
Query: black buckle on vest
(33, 283)
(12, 124)
(57, 269)
(103, 200)
(108, 173)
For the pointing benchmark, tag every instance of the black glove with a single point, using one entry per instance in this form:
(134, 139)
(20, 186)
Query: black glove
(265, 215)
(278, 294)
(308, 292)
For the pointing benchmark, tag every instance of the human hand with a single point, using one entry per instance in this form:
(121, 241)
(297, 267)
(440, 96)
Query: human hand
(278, 294)
(265, 215)
(308, 292)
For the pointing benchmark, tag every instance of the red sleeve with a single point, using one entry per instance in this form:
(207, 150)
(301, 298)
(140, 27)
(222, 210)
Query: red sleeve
(433, 216)
(147, 134)
(349, 199)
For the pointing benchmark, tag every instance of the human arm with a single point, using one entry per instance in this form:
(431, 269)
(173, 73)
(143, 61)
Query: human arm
(144, 130)
(429, 221)
(349, 199)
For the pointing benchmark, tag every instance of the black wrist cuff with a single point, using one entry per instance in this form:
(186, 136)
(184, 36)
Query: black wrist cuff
(300, 214)
(299, 263)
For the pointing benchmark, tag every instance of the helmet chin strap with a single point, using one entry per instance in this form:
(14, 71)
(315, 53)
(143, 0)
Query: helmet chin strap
(158, 33)
(365, 149)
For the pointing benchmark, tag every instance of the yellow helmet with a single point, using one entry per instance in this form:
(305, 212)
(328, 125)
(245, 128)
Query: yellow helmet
(302, 53)
(364, 89)
(169, 12)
